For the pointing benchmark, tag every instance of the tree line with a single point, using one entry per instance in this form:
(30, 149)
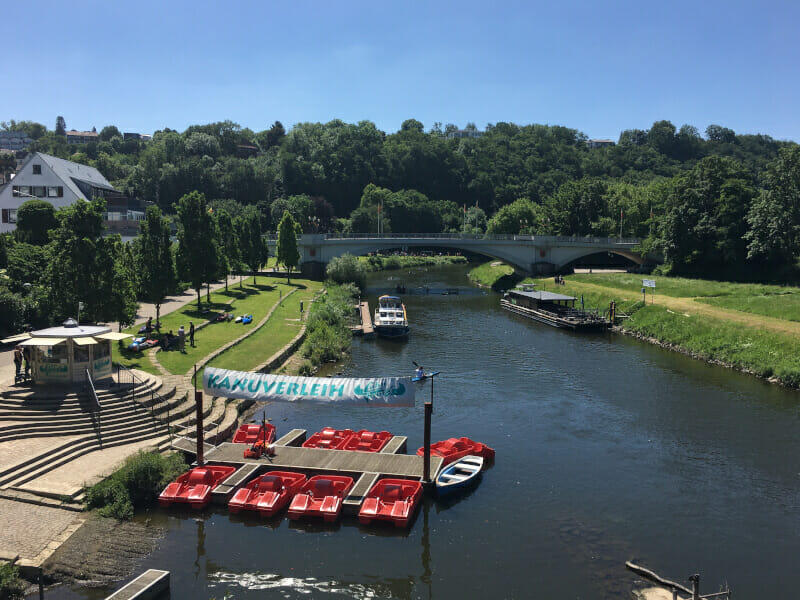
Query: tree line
(702, 201)
(58, 259)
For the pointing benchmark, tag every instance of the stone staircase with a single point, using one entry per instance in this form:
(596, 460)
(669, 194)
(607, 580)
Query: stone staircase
(50, 427)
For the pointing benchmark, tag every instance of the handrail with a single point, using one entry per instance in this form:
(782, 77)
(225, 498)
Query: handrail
(90, 386)
(471, 236)
(156, 399)
(93, 395)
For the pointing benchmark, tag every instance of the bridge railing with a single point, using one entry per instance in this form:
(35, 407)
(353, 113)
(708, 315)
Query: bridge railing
(472, 236)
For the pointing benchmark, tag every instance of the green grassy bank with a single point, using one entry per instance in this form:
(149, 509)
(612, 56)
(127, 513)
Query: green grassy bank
(749, 327)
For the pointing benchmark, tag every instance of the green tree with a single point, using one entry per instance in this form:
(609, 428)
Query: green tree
(108, 132)
(520, 216)
(154, 260)
(61, 126)
(86, 267)
(198, 251)
(287, 253)
(774, 218)
(228, 243)
(252, 248)
(35, 218)
(26, 264)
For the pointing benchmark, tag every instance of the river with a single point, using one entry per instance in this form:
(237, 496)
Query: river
(608, 449)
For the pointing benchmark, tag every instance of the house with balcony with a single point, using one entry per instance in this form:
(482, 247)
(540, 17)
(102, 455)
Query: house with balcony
(82, 137)
(60, 182)
(14, 140)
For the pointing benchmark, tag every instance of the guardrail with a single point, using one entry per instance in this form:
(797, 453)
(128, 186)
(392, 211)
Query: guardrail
(125, 375)
(93, 395)
(471, 236)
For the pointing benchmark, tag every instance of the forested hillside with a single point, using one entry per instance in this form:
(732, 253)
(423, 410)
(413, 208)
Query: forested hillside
(703, 201)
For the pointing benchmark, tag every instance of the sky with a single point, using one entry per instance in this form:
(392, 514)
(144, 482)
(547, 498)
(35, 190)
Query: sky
(597, 66)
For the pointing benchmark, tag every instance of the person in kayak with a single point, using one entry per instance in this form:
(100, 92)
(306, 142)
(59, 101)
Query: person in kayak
(420, 372)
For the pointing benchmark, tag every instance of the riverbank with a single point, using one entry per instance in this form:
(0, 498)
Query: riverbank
(752, 328)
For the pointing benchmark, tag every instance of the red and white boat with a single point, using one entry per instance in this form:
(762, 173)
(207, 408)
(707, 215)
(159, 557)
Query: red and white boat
(321, 496)
(454, 448)
(367, 441)
(391, 500)
(195, 486)
(329, 439)
(267, 494)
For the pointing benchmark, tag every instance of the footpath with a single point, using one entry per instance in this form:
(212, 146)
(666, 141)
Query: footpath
(692, 306)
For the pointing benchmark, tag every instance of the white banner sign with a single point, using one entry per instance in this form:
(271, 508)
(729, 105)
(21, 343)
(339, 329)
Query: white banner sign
(379, 391)
(649, 283)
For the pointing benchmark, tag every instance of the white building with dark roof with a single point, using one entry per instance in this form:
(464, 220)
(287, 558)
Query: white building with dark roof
(56, 180)
(82, 137)
(14, 140)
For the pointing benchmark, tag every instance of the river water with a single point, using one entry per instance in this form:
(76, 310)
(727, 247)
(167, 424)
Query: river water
(608, 450)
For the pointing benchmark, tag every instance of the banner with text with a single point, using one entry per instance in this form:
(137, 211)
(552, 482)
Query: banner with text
(378, 391)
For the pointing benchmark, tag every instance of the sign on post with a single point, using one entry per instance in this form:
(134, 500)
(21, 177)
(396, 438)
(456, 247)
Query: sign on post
(648, 283)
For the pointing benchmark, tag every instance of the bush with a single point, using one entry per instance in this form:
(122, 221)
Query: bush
(328, 333)
(136, 485)
(11, 586)
(347, 269)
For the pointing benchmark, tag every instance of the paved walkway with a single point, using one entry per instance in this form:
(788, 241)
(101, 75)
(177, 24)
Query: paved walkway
(34, 532)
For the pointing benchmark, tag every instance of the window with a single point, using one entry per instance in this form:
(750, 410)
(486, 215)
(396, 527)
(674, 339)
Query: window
(39, 191)
(37, 169)
(9, 215)
(52, 192)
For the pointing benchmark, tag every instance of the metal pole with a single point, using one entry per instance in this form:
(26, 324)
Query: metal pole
(198, 400)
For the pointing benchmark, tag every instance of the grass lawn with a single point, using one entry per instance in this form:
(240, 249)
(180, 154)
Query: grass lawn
(680, 287)
(279, 330)
(785, 306)
(492, 274)
(254, 299)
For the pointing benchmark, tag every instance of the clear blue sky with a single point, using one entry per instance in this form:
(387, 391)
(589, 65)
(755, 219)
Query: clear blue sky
(599, 67)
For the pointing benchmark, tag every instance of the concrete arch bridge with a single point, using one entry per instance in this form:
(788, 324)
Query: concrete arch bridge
(528, 254)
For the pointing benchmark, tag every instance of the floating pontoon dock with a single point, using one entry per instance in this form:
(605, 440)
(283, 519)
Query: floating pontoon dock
(365, 468)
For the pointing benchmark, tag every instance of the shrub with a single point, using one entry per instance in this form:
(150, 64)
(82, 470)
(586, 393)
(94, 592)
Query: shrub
(135, 485)
(11, 586)
(347, 269)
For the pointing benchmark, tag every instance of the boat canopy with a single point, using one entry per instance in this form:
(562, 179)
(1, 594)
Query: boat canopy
(389, 298)
(378, 391)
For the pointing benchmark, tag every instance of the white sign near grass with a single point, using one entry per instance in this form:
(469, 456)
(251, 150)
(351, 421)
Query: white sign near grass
(651, 283)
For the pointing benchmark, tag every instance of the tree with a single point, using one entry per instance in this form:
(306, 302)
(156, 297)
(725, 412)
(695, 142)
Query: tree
(228, 243)
(35, 218)
(154, 261)
(252, 249)
(108, 132)
(774, 218)
(412, 125)
(198, 251)
(61, 126)
(287, 253)
(521, 215)
(662, 137)
(86, 267)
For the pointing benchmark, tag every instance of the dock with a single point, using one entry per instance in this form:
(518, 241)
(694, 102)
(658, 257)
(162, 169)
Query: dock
(366, 468)
(366, 328)
(151, 584)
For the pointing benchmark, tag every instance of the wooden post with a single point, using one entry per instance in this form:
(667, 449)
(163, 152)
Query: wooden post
(426, 469)
(198, 400)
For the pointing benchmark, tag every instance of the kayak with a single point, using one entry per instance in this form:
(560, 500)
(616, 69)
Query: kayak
(425, 376)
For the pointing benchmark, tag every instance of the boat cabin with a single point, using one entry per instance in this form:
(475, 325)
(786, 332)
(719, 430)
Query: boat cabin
(528, 297)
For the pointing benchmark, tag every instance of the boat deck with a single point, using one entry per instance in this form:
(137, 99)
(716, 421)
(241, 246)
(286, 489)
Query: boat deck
(364, 467)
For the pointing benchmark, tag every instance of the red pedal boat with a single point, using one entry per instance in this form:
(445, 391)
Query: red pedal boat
(329, 439)
(367, 441)
(391, 500)
(321, 496)
(252, 433)
(455, 448)
(194, 487)
(267, 494)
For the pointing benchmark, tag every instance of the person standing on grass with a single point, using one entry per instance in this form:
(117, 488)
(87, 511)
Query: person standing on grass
(191, 333)
(181, 339)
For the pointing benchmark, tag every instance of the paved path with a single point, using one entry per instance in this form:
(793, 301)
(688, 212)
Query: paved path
(32, 531)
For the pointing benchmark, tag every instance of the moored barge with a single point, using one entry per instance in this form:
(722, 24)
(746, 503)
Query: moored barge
(556, 310)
